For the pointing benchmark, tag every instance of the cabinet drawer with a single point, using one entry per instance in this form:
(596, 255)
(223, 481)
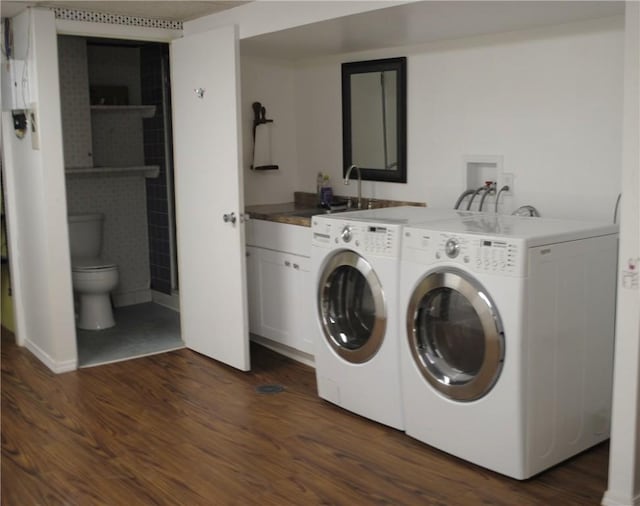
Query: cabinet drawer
(279, 236)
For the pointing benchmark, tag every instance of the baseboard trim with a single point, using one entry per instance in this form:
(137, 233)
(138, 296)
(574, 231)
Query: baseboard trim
(45, 358)
(132, 297)
(612, 499)
(287, 351)
(169, 301)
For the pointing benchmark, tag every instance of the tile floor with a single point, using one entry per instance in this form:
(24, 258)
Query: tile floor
(141, 329)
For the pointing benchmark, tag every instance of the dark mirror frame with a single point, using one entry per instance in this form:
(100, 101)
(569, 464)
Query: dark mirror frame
(389, 64)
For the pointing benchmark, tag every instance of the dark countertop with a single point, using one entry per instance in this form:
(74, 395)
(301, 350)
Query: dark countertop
(288, 212)
(299, 211)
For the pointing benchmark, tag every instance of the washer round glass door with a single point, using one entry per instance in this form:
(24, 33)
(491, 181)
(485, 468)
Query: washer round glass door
(455, 334)
(351, 307)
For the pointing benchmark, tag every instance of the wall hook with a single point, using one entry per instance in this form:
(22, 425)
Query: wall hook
(199, 92)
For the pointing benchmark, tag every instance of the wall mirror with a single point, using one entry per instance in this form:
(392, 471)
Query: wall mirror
(374, 118)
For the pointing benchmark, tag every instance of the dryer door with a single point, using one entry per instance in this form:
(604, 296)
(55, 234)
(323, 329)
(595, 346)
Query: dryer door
(455, 334)
(351, 307)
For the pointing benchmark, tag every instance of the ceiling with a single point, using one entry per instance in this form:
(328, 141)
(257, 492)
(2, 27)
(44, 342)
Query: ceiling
(402, 25)
(184, 10)
(412, 24)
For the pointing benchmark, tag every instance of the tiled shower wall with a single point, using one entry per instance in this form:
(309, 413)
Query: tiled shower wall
(154, 70)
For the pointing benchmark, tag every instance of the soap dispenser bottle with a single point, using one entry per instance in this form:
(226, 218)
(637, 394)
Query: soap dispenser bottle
(326, 193)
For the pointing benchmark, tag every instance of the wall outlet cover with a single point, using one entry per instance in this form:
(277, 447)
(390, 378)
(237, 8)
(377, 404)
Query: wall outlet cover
(506, 180)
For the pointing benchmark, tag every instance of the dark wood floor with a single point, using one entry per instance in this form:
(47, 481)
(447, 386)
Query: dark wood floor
(179, 428)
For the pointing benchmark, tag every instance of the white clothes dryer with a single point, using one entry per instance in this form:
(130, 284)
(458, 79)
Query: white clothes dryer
(355, 265)
(507, 338)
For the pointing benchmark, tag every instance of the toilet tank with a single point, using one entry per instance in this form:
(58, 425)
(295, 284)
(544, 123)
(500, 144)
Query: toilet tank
(85, 235)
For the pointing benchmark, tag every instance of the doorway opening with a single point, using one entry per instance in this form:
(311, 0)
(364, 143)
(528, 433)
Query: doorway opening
(116, 118)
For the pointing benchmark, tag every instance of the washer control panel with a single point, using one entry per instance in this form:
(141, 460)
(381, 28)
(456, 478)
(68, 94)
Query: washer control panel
(364, 237)
(381, 239)
(498, 255)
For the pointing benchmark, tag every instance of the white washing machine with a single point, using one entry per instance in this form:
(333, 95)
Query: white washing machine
(355, 264)
(507, 338)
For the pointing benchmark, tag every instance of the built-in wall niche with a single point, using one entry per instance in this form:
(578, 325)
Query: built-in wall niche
(480, 169)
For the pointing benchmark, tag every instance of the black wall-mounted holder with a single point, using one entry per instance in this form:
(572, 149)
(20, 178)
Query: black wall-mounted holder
(259, 118)
(19, 123)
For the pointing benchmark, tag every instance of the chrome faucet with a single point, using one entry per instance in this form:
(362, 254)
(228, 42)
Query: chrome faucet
(346, 181)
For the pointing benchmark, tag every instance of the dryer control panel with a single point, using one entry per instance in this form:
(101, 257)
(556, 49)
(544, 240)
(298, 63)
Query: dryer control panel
(493, 255)
(476, 253)
(363, 237)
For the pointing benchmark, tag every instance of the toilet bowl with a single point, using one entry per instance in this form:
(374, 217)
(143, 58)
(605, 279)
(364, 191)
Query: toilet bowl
(93, 284)
(92, 277)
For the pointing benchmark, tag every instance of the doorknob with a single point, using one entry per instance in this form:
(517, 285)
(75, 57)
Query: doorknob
(229, 218)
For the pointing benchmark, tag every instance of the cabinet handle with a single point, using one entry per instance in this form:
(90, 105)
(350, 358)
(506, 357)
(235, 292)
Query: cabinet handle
(287, 263)
(296, 266)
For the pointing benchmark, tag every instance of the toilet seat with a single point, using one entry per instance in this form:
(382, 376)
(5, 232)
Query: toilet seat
(99, 268)
(93, 265)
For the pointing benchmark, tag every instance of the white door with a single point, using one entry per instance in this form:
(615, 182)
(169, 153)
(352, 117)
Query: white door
(208, 185)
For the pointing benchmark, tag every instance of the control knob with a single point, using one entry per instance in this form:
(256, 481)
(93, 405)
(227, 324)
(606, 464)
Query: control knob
(346, 234)
(452, 247)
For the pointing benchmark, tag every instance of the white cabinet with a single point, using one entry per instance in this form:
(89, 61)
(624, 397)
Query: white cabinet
(278, 279)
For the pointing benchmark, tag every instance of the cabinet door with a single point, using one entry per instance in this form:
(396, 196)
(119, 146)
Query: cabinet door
(208, 185)
(302, 319)
(280, 292)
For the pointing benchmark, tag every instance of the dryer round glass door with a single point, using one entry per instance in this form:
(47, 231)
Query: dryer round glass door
(351, 307)
(455, 334)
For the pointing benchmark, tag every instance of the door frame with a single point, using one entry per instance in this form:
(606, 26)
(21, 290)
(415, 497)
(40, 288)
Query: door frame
(123, 32)
(103, 30)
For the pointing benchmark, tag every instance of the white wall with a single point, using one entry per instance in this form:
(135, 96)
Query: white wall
(549, 100)
(38, 244)
(624, 454)
(271, 84)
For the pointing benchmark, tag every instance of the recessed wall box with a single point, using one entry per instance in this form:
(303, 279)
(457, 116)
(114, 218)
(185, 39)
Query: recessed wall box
(478, 169)
(15, 86)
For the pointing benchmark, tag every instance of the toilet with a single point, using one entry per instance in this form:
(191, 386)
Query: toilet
(93, 278)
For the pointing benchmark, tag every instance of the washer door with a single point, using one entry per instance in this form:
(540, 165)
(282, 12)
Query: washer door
(351, 307)
(455, 334)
